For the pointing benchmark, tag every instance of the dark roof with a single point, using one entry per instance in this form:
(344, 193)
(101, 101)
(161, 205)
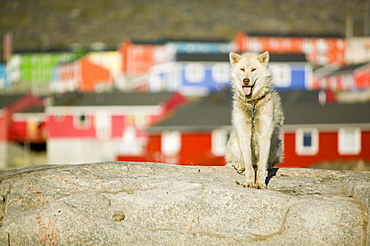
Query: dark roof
(348, 69)
(203, 57)
(299, 96)
(189, 40)
(210, 112)
(297, 35)
(300, 107)
(34, 109)
(110, 99)
(7, 100)
(314, 113)
(296, 57)
(224, 57)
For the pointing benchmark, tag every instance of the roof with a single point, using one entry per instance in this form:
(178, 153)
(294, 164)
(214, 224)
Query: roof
(224, 57)
(209, 112)
(314, 113)
(203, 57)
(295, 57)
(111, 99)
(27, 107)
(296, 35)
(348, 69)
(7, 100)
(300, 108)
(190, 40)
(33, 109)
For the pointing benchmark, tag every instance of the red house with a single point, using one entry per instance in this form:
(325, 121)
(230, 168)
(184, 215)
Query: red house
(138, 57)
(81, 75)
(319, 50)
(331, 133)
(21, 119)
(195, 134)
(312, 134)
(350, 77)
(85, 127)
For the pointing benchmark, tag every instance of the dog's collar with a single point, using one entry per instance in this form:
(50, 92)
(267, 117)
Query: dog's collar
(255, 101)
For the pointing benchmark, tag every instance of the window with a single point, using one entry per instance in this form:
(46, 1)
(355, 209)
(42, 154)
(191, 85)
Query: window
(103, 125)
(219, 141)
(171, 143)
(131, 143)
(139, 120)
(59, 116)
(307, 141)
(81, 121)
(281, 75)
(194, 72)
(221, 73)
(349, 141)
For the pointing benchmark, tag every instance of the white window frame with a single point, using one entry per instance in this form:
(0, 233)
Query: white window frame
(219, 141)
(221, 73)
(171, 143)
(131, 144)
(281, 75)
(195, 72)
(299, 141)
(103, 125)
(343, 135)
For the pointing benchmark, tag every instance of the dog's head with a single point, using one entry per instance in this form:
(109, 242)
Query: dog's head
(249, 72)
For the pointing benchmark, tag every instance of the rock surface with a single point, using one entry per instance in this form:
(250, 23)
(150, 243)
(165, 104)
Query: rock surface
(123, 203)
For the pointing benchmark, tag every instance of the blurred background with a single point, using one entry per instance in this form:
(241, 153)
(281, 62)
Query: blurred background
(150, 80)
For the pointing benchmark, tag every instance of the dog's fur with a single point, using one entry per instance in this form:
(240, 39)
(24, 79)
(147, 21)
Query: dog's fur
(257, 116)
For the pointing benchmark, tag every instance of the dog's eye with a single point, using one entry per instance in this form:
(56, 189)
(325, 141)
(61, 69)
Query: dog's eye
(253, 69)
(242, 69)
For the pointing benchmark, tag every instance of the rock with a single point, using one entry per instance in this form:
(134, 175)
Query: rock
(123, 203)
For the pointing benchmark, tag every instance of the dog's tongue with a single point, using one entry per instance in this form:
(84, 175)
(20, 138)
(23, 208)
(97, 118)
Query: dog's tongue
(247, 90)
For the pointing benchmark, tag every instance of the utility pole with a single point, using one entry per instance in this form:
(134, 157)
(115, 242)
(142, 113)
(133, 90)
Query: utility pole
(8, 45)
(349, 26)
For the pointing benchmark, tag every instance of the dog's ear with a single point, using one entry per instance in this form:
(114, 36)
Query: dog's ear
(264, 58)
(234, 58)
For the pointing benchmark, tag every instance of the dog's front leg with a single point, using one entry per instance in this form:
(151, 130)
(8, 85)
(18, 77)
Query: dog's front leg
(244, 135)
(264, 129)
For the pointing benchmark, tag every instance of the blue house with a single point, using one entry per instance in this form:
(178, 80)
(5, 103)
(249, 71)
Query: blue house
(4, 80)
(290, 71)
(197, 74)
(192, 74)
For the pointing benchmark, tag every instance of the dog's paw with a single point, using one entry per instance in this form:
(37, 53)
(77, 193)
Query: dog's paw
(246, 185)
(260, 186)
(238, 167)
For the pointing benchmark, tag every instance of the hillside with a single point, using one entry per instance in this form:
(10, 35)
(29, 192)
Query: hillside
(54, 24)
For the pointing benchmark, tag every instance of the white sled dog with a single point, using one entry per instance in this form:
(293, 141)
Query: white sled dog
(257, 116)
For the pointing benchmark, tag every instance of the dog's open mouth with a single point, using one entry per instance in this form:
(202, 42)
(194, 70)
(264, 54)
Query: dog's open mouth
(247, 90)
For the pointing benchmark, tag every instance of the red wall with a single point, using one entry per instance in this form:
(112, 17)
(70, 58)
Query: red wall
(92, 75)
(328, 151)
(362, 78)
(4, 125)
(63, 127)
(18, 130)
(333, 49)
(137, 59)
(195, 150)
